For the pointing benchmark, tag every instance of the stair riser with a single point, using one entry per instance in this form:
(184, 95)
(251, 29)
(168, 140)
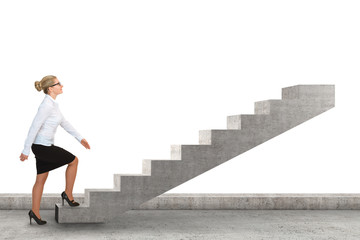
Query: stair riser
(146, 166)
(117, 182)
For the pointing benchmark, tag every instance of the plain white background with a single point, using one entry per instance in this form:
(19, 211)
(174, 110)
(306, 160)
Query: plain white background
(140, 76)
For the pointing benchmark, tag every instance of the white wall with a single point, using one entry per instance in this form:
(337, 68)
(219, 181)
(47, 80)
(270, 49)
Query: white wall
(141, 75)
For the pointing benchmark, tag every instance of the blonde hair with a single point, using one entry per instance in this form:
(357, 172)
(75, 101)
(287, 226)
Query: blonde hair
(45, 83)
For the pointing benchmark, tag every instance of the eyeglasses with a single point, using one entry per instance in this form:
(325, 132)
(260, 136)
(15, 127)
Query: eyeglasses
(59, 83)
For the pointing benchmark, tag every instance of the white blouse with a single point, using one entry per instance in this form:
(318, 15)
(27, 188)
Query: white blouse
(45, 123)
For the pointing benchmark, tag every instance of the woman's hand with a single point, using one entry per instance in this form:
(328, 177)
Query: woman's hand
(85, 143)
(23, 157)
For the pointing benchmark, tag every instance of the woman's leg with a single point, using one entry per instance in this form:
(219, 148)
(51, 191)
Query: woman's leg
(37, 192)
(70, 176)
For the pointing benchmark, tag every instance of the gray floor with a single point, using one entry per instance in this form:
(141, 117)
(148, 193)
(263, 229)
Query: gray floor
(192, 224)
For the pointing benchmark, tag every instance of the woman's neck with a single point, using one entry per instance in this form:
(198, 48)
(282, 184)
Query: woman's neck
(53, 95)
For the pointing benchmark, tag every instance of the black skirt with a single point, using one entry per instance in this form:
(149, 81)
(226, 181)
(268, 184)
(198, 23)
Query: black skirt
(50, 157)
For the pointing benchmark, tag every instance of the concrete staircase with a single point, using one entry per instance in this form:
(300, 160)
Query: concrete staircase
(272, 117)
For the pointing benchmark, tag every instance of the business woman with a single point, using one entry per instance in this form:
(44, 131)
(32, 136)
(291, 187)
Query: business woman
(41, 141)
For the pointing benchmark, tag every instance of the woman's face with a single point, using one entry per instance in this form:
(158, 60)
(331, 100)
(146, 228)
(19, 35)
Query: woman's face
(57, 87)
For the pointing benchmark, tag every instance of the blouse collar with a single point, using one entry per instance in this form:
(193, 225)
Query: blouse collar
(48, 96)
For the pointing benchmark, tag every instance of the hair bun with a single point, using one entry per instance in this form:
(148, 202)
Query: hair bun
(38, 86)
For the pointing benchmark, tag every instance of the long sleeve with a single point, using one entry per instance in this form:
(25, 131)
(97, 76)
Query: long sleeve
(70, 129)
(44, 111)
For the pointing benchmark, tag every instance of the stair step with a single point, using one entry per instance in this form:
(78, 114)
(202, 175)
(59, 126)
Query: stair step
(200, 158)
(228, 144)
(190, 152)
(309, 92)
(117, 179)
(80, 214)
(304, 106)
(130, 182)
(285, 120)
(94, 194)
(245, 121)
(155, 167)
(166, 172)
(135, 185)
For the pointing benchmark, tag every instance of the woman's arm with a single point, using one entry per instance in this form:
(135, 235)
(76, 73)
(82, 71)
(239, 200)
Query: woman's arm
(43, 112)
(70, 129)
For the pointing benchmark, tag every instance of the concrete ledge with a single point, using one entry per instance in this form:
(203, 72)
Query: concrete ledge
(18, 201)
(210, 202)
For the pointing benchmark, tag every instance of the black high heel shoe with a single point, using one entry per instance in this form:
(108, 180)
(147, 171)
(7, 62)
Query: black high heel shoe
(38, 221)
(72, 203)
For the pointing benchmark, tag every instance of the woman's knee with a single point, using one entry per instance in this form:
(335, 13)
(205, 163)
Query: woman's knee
(41, 178)
(75, 161)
